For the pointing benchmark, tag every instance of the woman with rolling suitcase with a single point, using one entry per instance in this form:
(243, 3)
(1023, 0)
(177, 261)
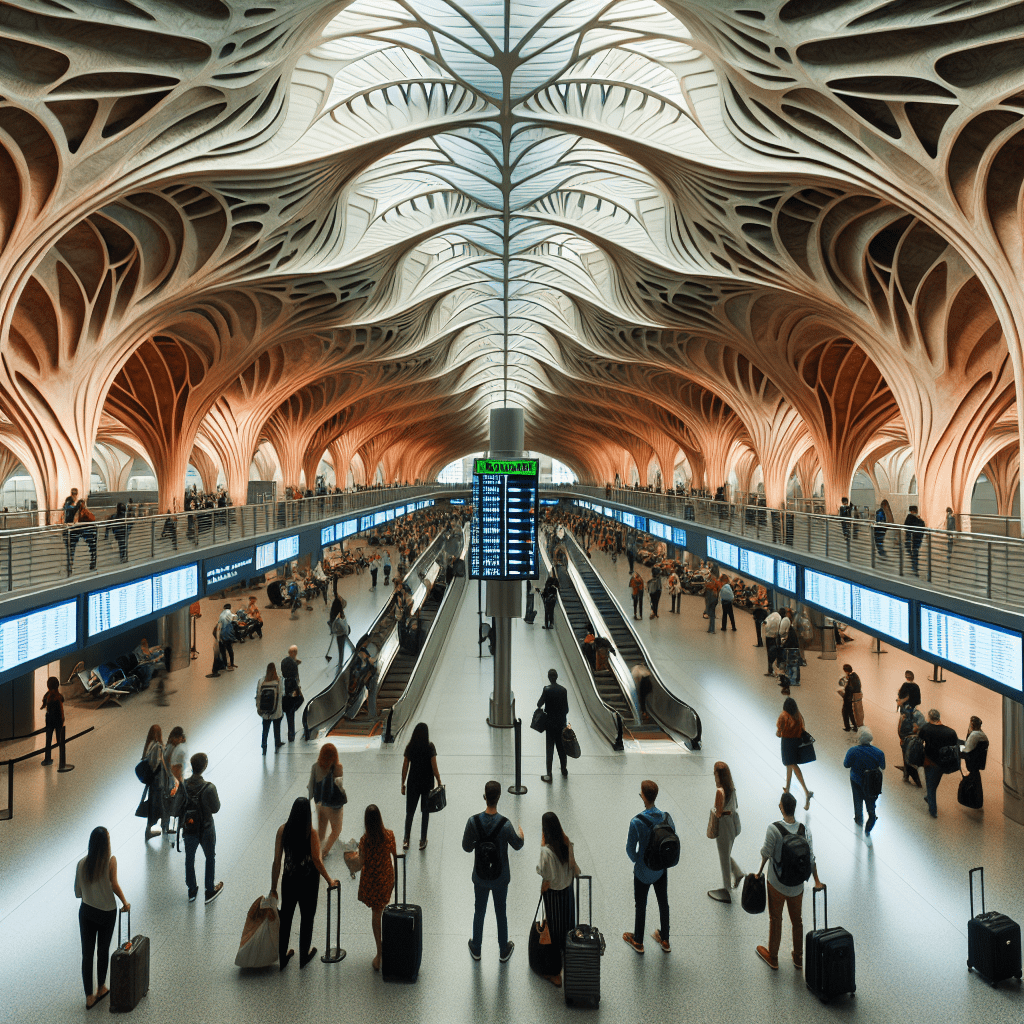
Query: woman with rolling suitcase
(375, 860)
(96, 886)
(557, 869)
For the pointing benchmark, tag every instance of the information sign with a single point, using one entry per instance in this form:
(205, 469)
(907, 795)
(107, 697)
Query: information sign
(761, 567)
(222, 572)
(266, 555)
(36, 634)
(989, 651)
(785, 576)
(118, 606)
(720, 551)
(288, 547)
(504, 525)
(327, 536)
(829, 593)
(176, 586)
(679, 536)
(880, 612)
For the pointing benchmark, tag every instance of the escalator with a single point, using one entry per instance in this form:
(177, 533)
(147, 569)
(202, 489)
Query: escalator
(617, 688)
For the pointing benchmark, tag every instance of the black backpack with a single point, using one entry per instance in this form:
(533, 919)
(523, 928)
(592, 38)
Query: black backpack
(948, 759)
(191, 821)
(267, 703)
(662, 847)
(793, 865)
(487, 853)
(871, 781)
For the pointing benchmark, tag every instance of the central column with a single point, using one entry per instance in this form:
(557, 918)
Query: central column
(504, 599)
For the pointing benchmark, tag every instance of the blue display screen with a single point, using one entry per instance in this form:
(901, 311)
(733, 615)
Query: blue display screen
(36, 634)
(326, 536)
(679, 536)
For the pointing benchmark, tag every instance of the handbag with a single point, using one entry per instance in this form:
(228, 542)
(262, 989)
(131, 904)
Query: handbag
(142, 811)
(806, 739)
(545, 956)
(754, 895)
(437, 800)
(713, 824)
(570, 742)
(540, 721)
(259, 943)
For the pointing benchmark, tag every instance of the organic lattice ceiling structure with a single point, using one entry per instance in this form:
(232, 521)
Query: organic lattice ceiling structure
(776, 236)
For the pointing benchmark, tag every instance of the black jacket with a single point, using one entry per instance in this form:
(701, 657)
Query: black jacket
(555, 702)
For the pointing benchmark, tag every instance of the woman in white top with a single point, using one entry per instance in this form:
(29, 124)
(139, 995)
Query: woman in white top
(728, 829)
(96, 886)
(329, 797)
(159, 788)
(176, 758)
(557, 869)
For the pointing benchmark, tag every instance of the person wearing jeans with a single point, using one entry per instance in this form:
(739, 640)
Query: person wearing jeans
(486, 828)
(199, 792)
(779, 895)
(641, 828)
(935, 736)
(859, 758)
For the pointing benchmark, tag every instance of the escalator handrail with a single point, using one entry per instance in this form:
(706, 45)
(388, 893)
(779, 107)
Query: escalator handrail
(429, 554)
(403, 708)
(673, 708)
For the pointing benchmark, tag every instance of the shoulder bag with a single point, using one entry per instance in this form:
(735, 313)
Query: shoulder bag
(713, 824)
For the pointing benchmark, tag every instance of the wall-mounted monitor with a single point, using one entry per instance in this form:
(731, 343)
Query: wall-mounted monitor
(36, 634)
(785, 576)
(327, 535)
(227, 569)
(389, 515)
(457, 501)
(347, 528)
(266, 555)
(721, 551)
(365, 523)
(400, 511)
(880, 612)
(175, 586)
(679, 536)
(659, 529)
(379, 518)
(761, 567)
(288, 547)
(119, 606)
(979, 647)
(828, 592)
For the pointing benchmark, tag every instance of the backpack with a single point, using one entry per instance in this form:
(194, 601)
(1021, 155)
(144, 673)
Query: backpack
(871, 781)
(192, 820)
(793, 866)
(913, 751)
(144, 772)
(948, 759)
(487, 852)
(662, 847)
(266, 702)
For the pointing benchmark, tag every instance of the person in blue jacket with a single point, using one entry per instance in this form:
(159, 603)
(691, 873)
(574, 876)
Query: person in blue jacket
(641, 827)
(859, 759)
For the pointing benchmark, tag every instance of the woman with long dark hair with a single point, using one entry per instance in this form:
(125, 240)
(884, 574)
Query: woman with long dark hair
(96, 886)
(376, 861)
(790, 728)
(419, 770)
(159, 802)
(557, 869)
(327, 792)
(728, 829)
(298, 845)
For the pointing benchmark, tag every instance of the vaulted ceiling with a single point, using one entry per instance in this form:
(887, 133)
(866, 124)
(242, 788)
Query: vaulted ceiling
(750, 233)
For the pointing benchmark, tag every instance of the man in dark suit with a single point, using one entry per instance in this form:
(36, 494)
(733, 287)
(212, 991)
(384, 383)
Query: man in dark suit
(555, 702)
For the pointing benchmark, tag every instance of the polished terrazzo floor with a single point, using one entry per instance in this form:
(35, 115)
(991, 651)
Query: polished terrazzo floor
(905, 900)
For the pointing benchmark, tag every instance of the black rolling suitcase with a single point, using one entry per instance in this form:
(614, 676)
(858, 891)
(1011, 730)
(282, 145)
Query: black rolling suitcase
(829, 962)
(401, 936)
(969, 792)
(129, 969)
(993, 941)
(584, 947)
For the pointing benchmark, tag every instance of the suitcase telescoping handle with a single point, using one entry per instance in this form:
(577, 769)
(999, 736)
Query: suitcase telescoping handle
(970, 883)
(333, 954)
(814, 906)
(128, 944)
(590, 897)
(399, 857)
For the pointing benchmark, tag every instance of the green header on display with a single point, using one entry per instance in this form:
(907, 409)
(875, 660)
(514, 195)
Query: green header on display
(507, 467)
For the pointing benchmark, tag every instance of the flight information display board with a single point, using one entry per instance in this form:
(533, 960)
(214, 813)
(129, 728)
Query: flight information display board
(228, 569)
(347, 528)
(175, 586)
(881, 612)
(679, 536)
(504, 527)
(785, 576)
(987, 650)
(720, 551)
(378, 518)
(365, 523)
(753, 563)
(24, 638)
(830, 593)
(656, 529)
(265, 555)
(389, 515)
(400, 511)
(326, 536)
(288, 547)
(118, 606)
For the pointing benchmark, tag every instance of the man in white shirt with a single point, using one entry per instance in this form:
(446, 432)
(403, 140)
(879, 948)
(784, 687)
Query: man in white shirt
(789, 854)
(770, 630)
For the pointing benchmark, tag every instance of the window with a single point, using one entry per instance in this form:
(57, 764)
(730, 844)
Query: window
(452, 473)
(561, 473)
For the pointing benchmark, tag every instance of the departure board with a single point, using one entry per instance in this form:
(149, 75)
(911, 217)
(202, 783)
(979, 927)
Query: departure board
(753, 563)
(785, 576)
(118, 606)
(720, 551)
(679, 536)
(389, 515)
(223, 571)
(288, 547)
(36, 634)
(365, 523)
(830, 593)
(175, 586)
(347, 528)
(881, 612)
(656, 529)
(378, 518)
(266, 555)
(326, 536)
(504, 526)
(977, 646)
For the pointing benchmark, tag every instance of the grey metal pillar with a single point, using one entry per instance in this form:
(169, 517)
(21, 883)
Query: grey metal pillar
(1013, 760)
(504, 601)
(176, 633)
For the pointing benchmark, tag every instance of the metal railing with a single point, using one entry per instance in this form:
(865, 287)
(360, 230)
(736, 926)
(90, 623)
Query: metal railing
(42, 556)
(970, 566)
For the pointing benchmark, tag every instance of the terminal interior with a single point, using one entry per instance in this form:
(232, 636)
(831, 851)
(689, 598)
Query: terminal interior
(271, 277)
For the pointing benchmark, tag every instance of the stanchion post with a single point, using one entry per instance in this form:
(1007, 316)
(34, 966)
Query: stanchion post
(63, 766)
(936, 676)
(518, 789)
